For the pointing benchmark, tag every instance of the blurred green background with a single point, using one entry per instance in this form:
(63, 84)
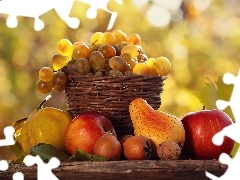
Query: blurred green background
(200, 38)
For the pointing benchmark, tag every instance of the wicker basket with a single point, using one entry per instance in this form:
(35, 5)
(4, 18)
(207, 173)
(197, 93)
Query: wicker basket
(111, 96)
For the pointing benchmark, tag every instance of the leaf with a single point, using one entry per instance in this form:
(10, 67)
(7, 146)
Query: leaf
(17, 161)
(82, 156)
(211, 91)
(17, 150)
(47, 151)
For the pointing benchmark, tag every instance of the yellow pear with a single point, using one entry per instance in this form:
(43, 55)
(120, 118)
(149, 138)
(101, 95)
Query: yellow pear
(154, 124)
(44, 125)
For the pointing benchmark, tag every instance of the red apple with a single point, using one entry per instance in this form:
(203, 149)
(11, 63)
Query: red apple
(200, 127)
(84, 130)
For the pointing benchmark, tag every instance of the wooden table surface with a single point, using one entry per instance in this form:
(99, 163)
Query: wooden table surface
(147, 169)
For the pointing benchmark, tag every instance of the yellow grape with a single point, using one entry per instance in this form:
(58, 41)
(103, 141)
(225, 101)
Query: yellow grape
(151, 65)
(81, 51)
(58, 61)
(44, 87)
(133, 50)
(108, 51)
(45, 74)
(162, 66)
(120, 36)
(64, 47)
(127, 57)
(106, 38)
(117, 31)
(76, 44)
(141, 69)
(134, 39)
(94, 38)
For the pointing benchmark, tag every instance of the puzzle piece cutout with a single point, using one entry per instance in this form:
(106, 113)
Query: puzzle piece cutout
(231, 131)
(8, 133)
(235, 98)
(36, 8)
(101, 4)
(44, 169)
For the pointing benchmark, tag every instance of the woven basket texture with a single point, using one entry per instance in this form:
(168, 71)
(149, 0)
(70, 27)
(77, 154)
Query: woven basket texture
(111, 96)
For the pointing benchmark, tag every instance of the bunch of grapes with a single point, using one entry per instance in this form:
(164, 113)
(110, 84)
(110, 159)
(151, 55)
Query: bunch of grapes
(107, 54)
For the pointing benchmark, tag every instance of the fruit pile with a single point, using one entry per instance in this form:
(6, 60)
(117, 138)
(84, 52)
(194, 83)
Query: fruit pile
(107, 54)
(50, 132)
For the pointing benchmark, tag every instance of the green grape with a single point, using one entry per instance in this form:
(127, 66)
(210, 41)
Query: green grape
(118, 63)
(45, 74)
(122, 45)
(71, 65)
(115, 73)
(107, 38)
(94, 38)
(64, 47)
(162, 66)
(81, 51)
(59, 81)
(97, 60)
(151, 65)
(99, 73)
(96, 47)
(108, 51)
(90, 47)
(126, 57)
(58, 61)
(134, 39)
(133, 50)
(82, 66)
(129, 73)
(44, 87)
(141, 69)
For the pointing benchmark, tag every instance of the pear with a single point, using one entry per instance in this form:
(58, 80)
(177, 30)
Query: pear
(44, 125)
(156, 125)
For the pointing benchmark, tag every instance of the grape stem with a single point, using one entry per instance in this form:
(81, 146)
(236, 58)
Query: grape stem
(41, 104)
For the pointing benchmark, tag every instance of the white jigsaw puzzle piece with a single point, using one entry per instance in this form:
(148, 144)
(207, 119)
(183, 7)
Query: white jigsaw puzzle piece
(9, 140)
(36, 8)
(231, 131)
(101, 4)
(44, 169)
(18, 176)
(3, 165)
(235, 97)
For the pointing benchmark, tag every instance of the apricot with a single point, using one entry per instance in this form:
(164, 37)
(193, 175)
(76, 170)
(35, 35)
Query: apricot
(108, 146)
(137, 148)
